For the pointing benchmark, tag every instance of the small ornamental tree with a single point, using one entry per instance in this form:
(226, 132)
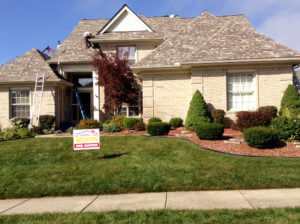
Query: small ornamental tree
(290, 103)
(197, 113)
(121, 85)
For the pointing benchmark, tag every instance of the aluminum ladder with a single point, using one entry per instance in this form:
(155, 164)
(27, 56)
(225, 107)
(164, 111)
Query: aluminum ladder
(38, 88)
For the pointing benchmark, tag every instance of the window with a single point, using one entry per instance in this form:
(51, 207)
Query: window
(20, 103)
(82, 81)
(127, 51)
(130, 111)
(240, 91)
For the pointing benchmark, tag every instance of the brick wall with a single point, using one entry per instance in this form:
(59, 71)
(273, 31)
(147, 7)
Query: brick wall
(168, 95)
(48, 105)
(4, 112)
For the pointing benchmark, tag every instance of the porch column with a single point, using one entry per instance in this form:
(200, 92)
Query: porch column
(96, 97)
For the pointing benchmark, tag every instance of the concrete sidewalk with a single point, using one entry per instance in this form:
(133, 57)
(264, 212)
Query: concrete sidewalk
(202, 200)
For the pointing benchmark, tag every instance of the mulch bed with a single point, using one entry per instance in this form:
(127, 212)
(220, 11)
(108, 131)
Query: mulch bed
(284, 150)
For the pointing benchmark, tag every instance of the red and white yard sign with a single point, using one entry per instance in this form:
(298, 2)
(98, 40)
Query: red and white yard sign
(86, 139)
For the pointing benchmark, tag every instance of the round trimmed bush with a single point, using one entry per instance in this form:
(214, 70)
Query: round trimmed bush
(154, 119)
(209, 131)
(261, 137)
(158, 128)
(287, 128)
(90, 123)
(119, 119)
(111, 128)
(129, 122)
(139, 126)
(176, 122)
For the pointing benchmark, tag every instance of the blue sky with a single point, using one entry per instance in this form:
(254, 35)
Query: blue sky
(37, 24)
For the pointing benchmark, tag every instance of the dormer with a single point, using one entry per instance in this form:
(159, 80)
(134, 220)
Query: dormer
(125, 20)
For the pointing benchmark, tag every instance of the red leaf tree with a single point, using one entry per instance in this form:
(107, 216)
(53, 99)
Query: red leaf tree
(120, 84)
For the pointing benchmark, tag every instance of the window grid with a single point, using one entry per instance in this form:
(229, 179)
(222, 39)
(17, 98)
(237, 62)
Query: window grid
(20, 103)
(130, 111)
(127, 51)
(240, 91)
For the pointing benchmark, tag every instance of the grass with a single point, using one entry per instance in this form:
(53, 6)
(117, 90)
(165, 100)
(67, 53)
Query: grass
(282, 216)
(49, 167)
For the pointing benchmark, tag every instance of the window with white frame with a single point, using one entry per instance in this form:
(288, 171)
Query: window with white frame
(130, 111)
(20, 103)
(240, 91)
(127, 51)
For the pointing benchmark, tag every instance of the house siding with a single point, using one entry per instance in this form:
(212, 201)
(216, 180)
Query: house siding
(50, 105)
(168, 95)
(4, 112)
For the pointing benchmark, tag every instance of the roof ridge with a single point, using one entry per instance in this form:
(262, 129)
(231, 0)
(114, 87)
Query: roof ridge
(169, 39)
(226, 23)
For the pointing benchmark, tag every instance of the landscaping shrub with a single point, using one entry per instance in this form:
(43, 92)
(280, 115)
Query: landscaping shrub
(176, 122)
(140, 126)
(197, 112)
(261, 137)
(209, 131)
(10, 135)
(248, 119)
(118, 120)
(154, 119)
(158, 128)
(20, 122)
(47, 121)
(129, 122)
(217, 116)
(38, 130)
(272, 110)
(90, 123)
(287, 128)
(290, 103)
(111, 128)
(106, 122)
(24, 132)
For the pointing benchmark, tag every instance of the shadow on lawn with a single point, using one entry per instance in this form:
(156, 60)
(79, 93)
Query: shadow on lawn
(113, 156)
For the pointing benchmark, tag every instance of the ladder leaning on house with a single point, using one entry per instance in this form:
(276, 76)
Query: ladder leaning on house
(38, 88)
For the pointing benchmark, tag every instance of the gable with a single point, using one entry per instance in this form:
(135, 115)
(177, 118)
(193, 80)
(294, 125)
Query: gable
(124, 21)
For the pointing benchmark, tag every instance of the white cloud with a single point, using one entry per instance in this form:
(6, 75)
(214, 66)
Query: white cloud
(278, 19)
(283, 27)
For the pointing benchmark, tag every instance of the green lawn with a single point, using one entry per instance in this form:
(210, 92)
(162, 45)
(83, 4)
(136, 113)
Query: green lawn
(266, 216)
(49, 167)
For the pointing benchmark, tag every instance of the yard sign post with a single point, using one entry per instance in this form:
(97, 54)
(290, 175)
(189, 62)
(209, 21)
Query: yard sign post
(86, 139)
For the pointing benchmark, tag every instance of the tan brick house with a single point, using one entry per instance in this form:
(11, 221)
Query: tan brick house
(233, 66)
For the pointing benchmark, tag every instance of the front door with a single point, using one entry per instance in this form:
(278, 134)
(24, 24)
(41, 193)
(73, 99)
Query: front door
(85, 97)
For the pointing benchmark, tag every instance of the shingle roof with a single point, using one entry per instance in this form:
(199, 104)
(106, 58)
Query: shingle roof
(73, 49)
(212, 38)
(26, 66)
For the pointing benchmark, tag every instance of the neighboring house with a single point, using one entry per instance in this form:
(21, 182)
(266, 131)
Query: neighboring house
(233, 66)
